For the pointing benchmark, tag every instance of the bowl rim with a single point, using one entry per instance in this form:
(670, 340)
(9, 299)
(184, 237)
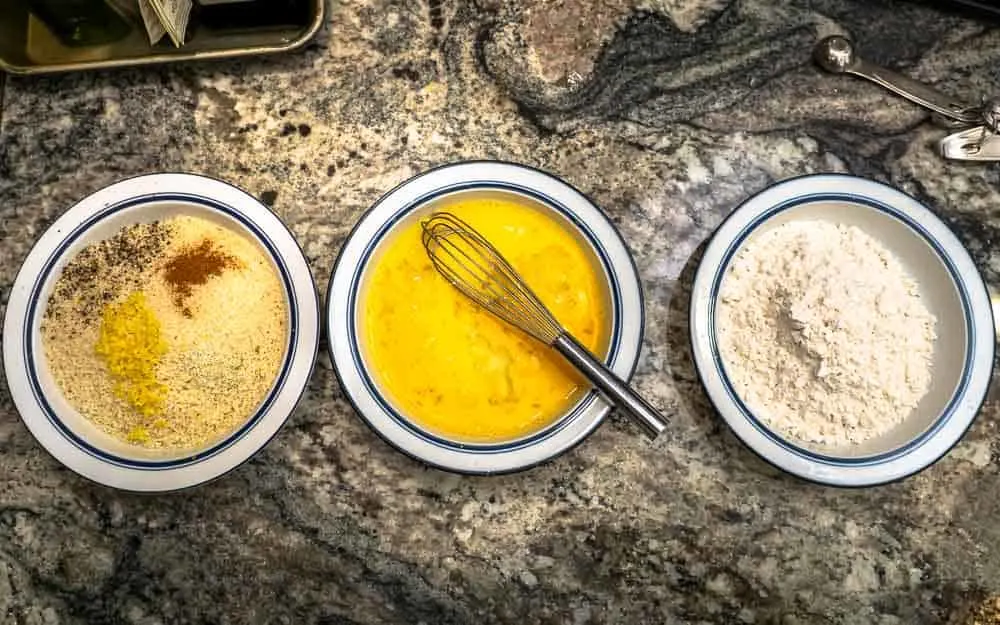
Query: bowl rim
(946, 431)
(36, 271)
(414, 193)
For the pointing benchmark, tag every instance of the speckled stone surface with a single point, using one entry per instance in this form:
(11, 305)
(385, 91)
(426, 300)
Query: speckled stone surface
(668, 114)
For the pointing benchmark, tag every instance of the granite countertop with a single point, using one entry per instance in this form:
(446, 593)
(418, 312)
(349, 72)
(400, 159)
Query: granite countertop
(668, 113)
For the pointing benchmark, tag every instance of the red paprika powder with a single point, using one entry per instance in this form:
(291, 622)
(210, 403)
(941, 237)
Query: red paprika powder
(193, 266)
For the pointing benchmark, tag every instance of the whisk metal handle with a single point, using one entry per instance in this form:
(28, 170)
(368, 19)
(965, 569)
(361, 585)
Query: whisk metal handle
(610, 385)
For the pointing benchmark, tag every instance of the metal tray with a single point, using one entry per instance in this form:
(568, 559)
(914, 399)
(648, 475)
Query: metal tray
(27, 46)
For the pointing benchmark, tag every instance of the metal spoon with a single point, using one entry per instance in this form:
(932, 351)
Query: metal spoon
(836, 55)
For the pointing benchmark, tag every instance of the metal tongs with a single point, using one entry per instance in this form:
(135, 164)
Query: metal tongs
(978, 136)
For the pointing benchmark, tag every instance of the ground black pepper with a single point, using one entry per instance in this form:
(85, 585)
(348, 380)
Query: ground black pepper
(94, 276)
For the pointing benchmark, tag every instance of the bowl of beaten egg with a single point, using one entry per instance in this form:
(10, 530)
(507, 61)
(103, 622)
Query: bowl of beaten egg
(446, 382)
(160, 332)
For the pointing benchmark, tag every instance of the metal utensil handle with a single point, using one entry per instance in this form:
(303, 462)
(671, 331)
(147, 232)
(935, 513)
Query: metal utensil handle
(620, 394)
(915, 91)
(836, 54)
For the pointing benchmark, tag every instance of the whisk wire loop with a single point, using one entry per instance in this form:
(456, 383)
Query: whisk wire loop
(472, 265)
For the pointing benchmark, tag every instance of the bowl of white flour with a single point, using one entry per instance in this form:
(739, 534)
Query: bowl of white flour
(842, 330)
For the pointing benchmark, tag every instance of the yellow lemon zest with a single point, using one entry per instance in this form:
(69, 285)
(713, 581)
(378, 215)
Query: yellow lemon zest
(131, 345)
(138, 435)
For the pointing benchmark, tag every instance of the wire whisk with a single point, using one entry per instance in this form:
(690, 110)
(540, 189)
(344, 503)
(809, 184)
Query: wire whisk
(479, 271)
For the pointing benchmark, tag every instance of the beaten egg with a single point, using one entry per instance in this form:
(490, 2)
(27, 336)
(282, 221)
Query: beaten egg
(453, 368)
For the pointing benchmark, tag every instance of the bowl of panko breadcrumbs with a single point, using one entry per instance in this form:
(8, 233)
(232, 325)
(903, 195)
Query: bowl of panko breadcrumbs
(160, 332)
(842, 330)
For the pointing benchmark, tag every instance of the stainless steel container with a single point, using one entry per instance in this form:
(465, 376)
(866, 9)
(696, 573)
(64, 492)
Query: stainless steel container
(27, 46)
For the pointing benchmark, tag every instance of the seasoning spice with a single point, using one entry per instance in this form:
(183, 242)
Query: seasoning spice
(193, 266)
(103, 271)
(131, 346)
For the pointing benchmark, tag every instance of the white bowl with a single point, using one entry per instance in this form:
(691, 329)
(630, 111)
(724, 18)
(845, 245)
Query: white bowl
(61, 429)
(949, 282)
(415, 199)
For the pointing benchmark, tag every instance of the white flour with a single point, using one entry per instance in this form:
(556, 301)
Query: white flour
(824, 334)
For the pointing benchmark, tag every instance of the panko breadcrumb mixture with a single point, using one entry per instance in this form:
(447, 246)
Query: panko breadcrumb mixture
(167, 335)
